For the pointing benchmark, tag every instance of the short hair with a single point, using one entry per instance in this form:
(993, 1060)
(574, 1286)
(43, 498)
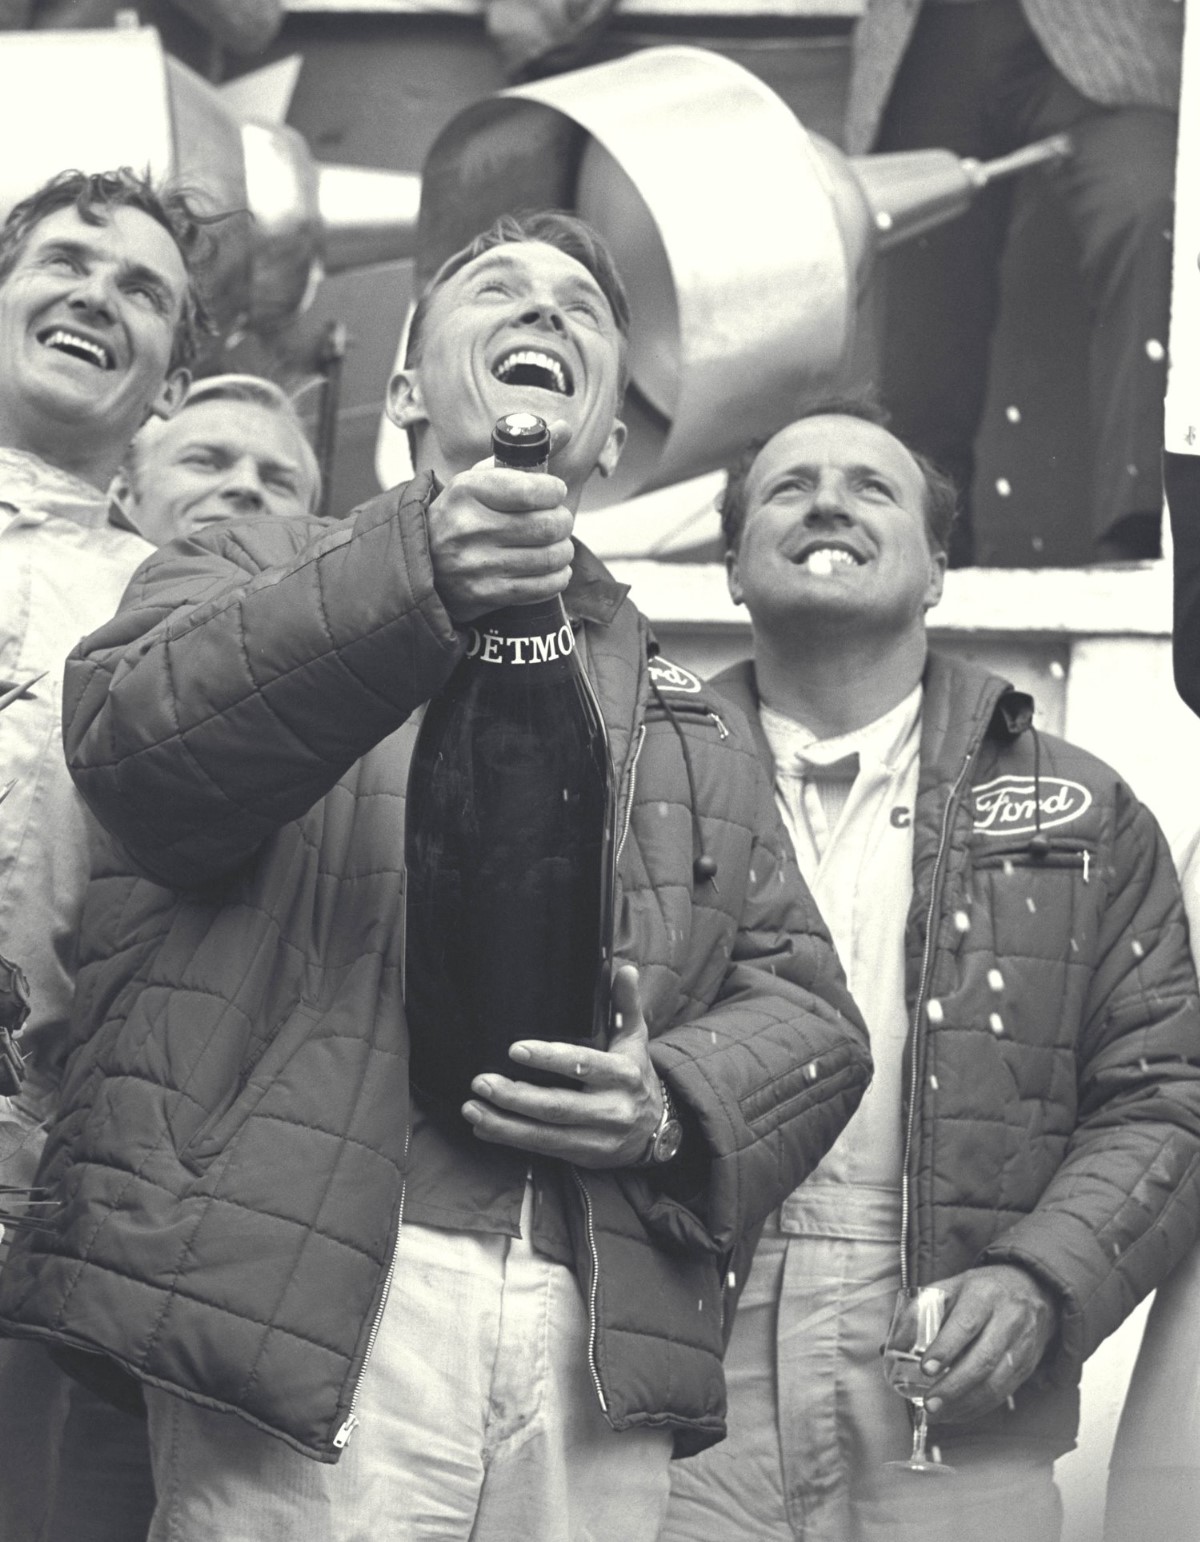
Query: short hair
(941, 495)
(94, 195)
(565, 232)
(233, 388)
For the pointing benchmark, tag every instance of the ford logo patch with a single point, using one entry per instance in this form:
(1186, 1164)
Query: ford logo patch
(1006, 806)
(673, 677)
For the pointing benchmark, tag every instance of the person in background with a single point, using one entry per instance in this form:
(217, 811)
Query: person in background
(1154, 1472)
(235, 447)
(346, 1317)
(1011, 924)
(100, 315)
(983, 77)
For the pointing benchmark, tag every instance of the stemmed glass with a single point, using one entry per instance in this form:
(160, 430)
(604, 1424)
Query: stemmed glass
(916, 1319)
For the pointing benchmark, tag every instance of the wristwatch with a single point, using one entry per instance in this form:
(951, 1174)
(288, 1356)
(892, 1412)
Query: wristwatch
(667, 1138)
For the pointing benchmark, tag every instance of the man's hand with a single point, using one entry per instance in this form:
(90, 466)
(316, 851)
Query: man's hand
(499, 537)
(607, 1122)
(996, 1330)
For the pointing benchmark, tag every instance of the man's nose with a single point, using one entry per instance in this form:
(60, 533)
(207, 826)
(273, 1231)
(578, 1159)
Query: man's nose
(828, 507)
(94, 295)
(542, 313)
(243, 487)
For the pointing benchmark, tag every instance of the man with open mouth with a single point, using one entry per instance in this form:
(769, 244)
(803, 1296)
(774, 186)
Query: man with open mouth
(1011, 925)
(349, 1320)
(98, 322)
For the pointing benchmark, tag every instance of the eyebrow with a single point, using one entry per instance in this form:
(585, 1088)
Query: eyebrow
(582, 282)
(224, 447)
(138, 272)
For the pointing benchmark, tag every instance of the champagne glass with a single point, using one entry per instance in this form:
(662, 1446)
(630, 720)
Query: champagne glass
(916, 1319)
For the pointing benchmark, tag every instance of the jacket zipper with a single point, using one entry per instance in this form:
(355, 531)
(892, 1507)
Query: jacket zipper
(633, 760)
(593, 1289)
(351, 1422)
(905, 1178)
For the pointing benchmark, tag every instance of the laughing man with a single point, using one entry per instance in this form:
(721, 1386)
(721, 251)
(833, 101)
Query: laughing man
(349, 1321)
(1011, 926)
(98, 321)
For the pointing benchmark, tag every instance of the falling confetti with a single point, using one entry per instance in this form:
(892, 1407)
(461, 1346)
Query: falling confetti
(1006, 867)
(1155, 350)
(933, 1082)
(1144, 1066)
(995, 980)
(883, 220)
(1003, 487)
(663, 810)
(962, 921)
(1037, 543)
(934, 1012)
(996, 1023)
(731, 1281)
(1029, 905)
(1131, 469)
(810, 1070)
(1013, 414)
(1137, 949)
(1057, 672)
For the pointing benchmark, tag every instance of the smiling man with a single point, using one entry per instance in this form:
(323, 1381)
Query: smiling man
(98, 322)
(1011, 926)
(235, 447)
(351, 1320)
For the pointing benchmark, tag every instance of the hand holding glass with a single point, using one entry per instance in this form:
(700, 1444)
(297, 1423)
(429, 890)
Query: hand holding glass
(916, 1319)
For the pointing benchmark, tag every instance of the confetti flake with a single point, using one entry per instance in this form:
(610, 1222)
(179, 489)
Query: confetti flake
(1004, 487)
(934, 1012)
(1013, 414)
(731, 1281)
(1030, 905)
(1155, 350)
(1057, 672)
(883, 220)
(962, 921)
(933, 1082)
(810, 1071)
(1006, 867)
(995, 980)
(1137, 949)
(996, 1023)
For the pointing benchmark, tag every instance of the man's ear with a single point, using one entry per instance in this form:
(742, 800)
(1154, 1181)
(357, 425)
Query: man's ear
(171, 394)
(606, 461)
(733, 578)
(405, 404)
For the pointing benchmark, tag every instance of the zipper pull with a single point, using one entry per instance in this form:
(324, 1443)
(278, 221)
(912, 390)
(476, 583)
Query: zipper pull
(721, 729)
(342, 1439)
(1087, 862)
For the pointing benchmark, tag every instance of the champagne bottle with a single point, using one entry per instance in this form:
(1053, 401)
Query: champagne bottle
(508, 845)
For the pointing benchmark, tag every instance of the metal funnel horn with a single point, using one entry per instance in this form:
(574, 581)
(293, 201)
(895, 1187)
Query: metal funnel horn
(133, 105)
(743, 239)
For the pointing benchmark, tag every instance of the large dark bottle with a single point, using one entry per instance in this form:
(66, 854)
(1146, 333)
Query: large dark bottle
(509, 844)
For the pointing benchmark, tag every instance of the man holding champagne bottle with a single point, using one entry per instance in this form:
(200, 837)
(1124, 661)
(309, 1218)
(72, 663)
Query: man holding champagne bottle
(348, 1317)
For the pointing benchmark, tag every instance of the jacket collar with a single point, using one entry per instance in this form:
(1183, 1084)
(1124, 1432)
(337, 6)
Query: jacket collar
(963, 704)
(36, 490)
(593, 593)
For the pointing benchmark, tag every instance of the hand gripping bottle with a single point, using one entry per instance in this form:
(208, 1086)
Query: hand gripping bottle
(508, 844)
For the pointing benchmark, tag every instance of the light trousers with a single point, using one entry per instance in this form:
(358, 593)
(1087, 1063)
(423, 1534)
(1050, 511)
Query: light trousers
(812, 1420)
(478, 1416)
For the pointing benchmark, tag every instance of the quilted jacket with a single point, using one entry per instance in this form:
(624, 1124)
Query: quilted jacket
(1117, 53)
(231, 1147)
(1053, 1065)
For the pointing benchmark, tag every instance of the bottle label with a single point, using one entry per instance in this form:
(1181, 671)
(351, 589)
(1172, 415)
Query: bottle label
(489, 647)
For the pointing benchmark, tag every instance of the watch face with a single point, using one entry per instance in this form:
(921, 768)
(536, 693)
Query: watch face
(669, 1140)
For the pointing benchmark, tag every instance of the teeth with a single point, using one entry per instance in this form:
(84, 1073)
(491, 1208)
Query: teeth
(531, 358)
(823, 561)
(62, 339)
